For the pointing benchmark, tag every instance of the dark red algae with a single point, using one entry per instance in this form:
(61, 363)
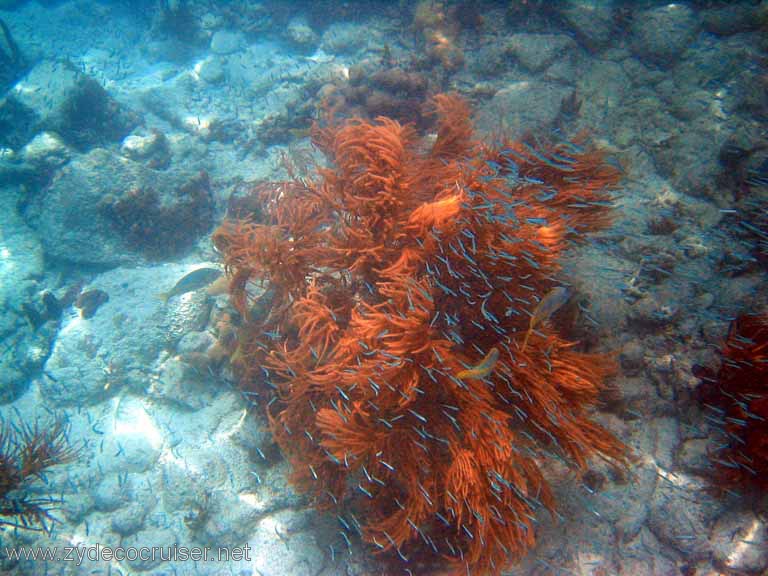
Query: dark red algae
(737, 398)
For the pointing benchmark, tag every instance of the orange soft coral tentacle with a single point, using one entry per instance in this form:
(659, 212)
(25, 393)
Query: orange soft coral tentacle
(402, 280)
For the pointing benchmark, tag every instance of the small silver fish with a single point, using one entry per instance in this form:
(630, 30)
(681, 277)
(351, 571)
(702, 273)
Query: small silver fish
(548, 305)
(199, 278)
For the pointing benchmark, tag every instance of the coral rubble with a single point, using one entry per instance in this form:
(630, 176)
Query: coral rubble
(403, 279)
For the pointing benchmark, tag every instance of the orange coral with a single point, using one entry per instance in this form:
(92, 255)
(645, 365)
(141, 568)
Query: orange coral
(392, 276)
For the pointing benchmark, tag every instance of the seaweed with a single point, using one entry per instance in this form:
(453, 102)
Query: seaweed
(26, 452)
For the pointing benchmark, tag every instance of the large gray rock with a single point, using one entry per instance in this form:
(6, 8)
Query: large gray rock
(693, 455)
(682, 522)
(301, 34)
(226, 42)
(740, 541)
(348, 37)
(298, 550)
(119, 347)
(46, 151)
(22, 253)
(537, 51)
(25, 331)
(592, 20)
(211, 70)
(105, 209)
(732, 19)
(58, 97)
(661, 35)
(522, 106)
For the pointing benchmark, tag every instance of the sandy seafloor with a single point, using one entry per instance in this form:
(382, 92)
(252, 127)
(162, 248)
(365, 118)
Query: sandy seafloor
(171, 455)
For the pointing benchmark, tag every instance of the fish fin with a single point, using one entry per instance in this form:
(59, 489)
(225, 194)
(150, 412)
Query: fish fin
(525, 340)
(164, 296)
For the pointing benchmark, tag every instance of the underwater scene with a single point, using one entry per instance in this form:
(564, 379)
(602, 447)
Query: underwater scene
(379, 288)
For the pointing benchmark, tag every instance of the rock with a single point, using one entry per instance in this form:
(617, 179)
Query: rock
(634, 394)
(181, 383)
(672, 375)
(642, 73)
(652, 311)
(680, 512)
(44, 308)
(644, 555)
(160, 537)
(537, 51)
(627, 504)
(301, 34)
(667, 437)
(57, 97)
(632, 357)
(46, 151)
(740, 542)
(105, 209)
(120, 345)
(210, 21)
(26, 343)
(8, 155)
(134, 434)
(603, 78)
(346, 38)
(225, 42)
(195, 341)
(732, 19)
(294, 552)
(109, 495)
(211, 70)
(522, 106)
(22, 259)
(128, 520)
(153, 149)
(186, 314)
(693, 456)
(224, 487)
(661, 35)
(75, 507)
(690, 146)
(168, 49)
(593, 21)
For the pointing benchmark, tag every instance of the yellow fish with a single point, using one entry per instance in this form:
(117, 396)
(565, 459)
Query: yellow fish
(482, 369)
(548, 305)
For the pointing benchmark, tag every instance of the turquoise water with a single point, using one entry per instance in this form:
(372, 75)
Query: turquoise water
(136, 394)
